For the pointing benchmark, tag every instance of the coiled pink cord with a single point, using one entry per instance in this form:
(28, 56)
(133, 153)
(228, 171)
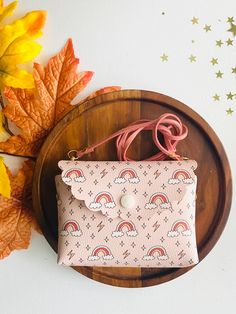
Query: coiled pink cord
(169, 125)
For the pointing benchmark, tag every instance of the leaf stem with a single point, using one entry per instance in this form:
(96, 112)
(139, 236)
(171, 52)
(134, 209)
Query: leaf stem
(15, 155)
(5, 122)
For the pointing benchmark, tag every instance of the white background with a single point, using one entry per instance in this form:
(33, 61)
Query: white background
(122, 42)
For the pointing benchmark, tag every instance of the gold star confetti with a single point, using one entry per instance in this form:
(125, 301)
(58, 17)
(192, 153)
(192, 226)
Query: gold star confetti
(219, 43)
(195, 20)
(229, 42)
(207, 28)
(192, 58)
(164, 57)
(230, 96)
(214, 61)
(229, 111)
(234, 70)
(219, 74)
(230, 20)
(216, 97)
(232, 29)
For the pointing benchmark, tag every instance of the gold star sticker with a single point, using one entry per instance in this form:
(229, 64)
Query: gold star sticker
(230, 20)
(229, 111)
(229, 42)
(164, 57)
(194, 20)
(219, 43)
(234, 70)
(207, 28)
(192, 58)
(219, 74)
(214, 61)
(216, 97)
(232, 29)
(230, 96)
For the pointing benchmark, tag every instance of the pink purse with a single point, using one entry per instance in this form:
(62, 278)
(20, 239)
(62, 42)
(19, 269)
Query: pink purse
(129, 213)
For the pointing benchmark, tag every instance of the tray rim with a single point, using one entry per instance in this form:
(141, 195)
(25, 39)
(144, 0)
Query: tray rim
(154, 97)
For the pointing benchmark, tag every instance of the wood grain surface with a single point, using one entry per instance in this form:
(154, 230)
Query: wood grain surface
(96, 119)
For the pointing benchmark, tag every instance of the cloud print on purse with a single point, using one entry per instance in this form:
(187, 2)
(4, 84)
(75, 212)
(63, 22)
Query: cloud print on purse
(129, 213)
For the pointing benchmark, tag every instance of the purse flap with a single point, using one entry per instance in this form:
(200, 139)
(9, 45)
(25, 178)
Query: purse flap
(123, 189)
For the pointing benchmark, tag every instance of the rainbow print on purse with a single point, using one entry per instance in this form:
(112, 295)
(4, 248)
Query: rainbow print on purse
(129, 213)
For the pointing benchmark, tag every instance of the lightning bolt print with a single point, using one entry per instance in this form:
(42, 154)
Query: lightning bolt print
(156, 174)
(103, 173)
(181, 254)
(126, 254)
(156, 226)
(100, 226)
(71, 199)
(71, 254)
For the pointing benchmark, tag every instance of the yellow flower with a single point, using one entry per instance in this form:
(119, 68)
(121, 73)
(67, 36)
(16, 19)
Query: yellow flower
(5, 186)
(8, 10)
(3, 134)
(17, 47)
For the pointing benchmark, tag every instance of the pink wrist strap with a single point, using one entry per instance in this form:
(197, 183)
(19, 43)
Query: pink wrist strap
(169, 125)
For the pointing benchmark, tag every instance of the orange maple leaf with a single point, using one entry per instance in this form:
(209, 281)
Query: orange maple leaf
(36, 112)
(16, 217)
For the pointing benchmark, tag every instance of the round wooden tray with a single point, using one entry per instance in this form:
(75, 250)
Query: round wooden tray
(103, 115)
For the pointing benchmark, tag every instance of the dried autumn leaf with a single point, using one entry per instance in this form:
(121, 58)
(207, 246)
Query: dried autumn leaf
(29, 115)
(5, 188)
(59, 83)
(36, 113)
(16, 217)
(17, 47)
(8, 10)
